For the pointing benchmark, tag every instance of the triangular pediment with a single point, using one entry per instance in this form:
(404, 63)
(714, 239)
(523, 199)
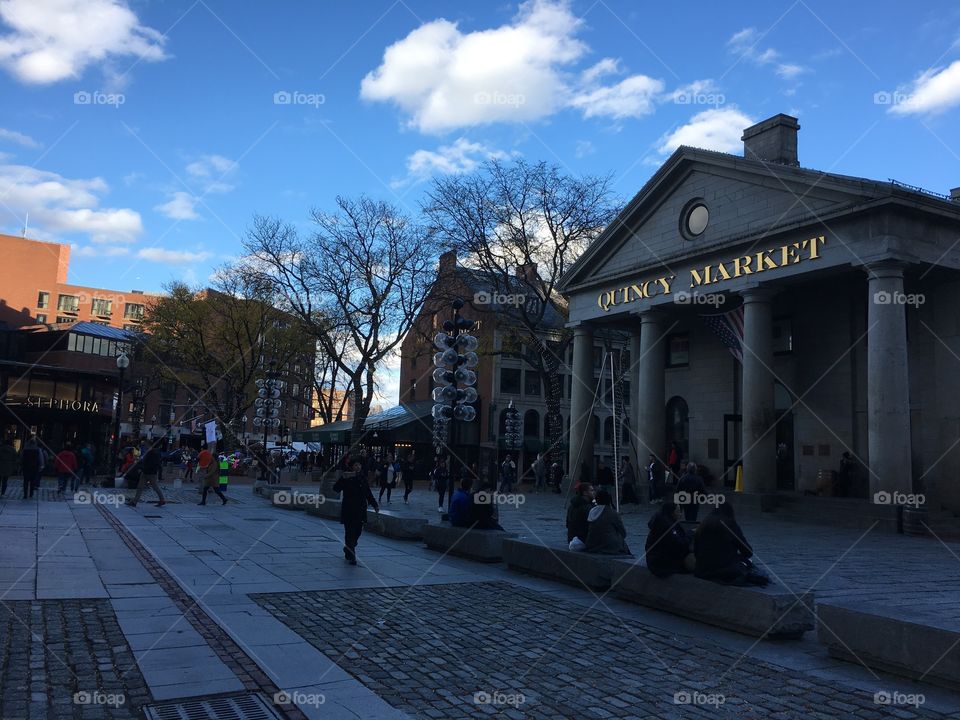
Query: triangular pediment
(745, 199)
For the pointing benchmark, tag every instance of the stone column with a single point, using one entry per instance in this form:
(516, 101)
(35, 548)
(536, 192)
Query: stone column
(581, 402)
(888, 386)
(758, 434)
(633, 373)
(651, 410)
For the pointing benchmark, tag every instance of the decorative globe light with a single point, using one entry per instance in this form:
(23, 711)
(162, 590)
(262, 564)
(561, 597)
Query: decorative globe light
(275, 392)
(449, 393)
(469, 395)
(471, 359)
(437, 397)
(467, 343)
(259, 383)
(262, 392)
(450, 357)
(465, 376)
(442, 341)
(442, 377)
(438, 359)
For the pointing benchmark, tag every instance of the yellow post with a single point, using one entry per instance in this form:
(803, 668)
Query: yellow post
(738, 487)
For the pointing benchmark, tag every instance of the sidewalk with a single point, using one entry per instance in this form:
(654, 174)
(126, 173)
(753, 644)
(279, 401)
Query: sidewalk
(186, 602)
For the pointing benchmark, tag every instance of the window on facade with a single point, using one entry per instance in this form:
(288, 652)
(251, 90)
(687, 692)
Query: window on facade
(678, 350)
(782, 336)
(510, 381)
(597, 357)
(41, 317)
(531, 384)
(43, 299)
(102, 307)
(65, 319)
(68, 303)
(133, 311)
(127, 326)
(413, 389)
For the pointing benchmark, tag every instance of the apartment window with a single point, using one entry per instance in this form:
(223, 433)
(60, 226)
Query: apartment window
(43, 299)
(531, 385)
(128, 326)
(102, 307)
(510, 381)
(782, 336)
(68, 303)
(64, 319)
(100, 322)
(678, 350)
(413, 389)
(133, 311)
(41, 317)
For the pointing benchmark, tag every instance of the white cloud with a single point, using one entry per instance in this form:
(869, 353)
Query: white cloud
(935, 90)
(444, 78)
(461, 156)
(633, 97)
(64, 206)
(719, 129)
(584, 148)
(99, 250)
(172, 257)
(788, 71)
(18, 138)
(53, 40)
(745, 43)
(210, 171)
(182, 206)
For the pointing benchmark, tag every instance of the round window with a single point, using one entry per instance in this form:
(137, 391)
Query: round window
(696, 219)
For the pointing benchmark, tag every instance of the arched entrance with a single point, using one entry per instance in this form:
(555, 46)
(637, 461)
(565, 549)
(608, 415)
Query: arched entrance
(678, 426)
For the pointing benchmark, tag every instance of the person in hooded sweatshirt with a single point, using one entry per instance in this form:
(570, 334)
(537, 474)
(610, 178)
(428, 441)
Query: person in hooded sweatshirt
(722, 552)
(578, 512)
(606, 533)
(668, 544)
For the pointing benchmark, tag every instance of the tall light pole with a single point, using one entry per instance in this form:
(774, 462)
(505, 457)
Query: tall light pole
(123, 362)
(267, 407)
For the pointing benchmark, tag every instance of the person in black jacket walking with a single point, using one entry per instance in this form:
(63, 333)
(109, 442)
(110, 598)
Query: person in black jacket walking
(356, 496)
(151, 465)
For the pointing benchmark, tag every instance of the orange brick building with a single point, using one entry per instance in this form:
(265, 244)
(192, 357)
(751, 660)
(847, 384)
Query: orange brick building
(34, 289)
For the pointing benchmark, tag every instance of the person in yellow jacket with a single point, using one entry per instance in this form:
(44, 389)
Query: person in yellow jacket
(211, 477)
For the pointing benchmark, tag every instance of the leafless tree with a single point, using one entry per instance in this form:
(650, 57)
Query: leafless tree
(357, 282)
(521, 226)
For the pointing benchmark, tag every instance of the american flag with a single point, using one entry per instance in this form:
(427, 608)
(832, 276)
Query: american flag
(729, 328)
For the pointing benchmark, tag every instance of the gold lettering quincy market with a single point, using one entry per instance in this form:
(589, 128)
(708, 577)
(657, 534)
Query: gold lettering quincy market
(633, 292)
(752, 264)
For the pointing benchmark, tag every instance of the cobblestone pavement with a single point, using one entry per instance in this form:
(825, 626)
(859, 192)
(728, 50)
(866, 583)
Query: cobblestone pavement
(494, 649)
(66, 659)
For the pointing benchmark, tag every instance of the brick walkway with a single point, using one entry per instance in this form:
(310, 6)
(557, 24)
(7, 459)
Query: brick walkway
(489, 649)
(66, 659)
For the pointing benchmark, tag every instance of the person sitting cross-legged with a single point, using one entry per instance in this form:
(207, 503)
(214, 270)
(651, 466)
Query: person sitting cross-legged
(722, 552)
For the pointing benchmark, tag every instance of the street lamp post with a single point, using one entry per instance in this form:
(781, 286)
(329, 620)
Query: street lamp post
(245, 450)
(267, 407)
(455, 377)
(123, 362)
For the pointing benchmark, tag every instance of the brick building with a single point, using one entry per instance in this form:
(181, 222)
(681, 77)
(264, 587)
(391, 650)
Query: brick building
(34, 290)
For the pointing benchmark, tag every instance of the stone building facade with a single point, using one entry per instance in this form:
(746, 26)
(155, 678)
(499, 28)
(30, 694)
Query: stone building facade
(841, 294)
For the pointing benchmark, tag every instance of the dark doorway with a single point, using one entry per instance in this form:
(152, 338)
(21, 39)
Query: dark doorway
(731, 448)
(783, 408)
(678, 425)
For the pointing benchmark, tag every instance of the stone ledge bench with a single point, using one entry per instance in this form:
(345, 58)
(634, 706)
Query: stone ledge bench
(558, 562)
(482, 545)
(927, 646)
(267, 491)
(398, 526)
(762, 612)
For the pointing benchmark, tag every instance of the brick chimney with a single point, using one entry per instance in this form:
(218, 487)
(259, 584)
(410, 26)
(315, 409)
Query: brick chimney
(773, 140)
(955, 194)
(448, 262)
(528, 271)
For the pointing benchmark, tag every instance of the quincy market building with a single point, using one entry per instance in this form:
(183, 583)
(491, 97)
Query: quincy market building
(840, 293)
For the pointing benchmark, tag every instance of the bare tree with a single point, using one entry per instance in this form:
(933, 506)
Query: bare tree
(358, 282)
(520, 227)
(212, 341)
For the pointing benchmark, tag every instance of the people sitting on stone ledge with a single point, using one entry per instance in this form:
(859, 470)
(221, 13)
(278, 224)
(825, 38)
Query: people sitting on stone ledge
(668, 544)
(691, 486)
(484, 509)
(578, 511)
(606, 533)
(461, 505)
(722, 552)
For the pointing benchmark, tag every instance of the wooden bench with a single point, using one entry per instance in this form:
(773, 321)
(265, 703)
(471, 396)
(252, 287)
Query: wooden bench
(557, 562)
(482, 545)
(763, 612)
(926, 647)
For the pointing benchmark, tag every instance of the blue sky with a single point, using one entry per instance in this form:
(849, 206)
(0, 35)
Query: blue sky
(146, 133)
